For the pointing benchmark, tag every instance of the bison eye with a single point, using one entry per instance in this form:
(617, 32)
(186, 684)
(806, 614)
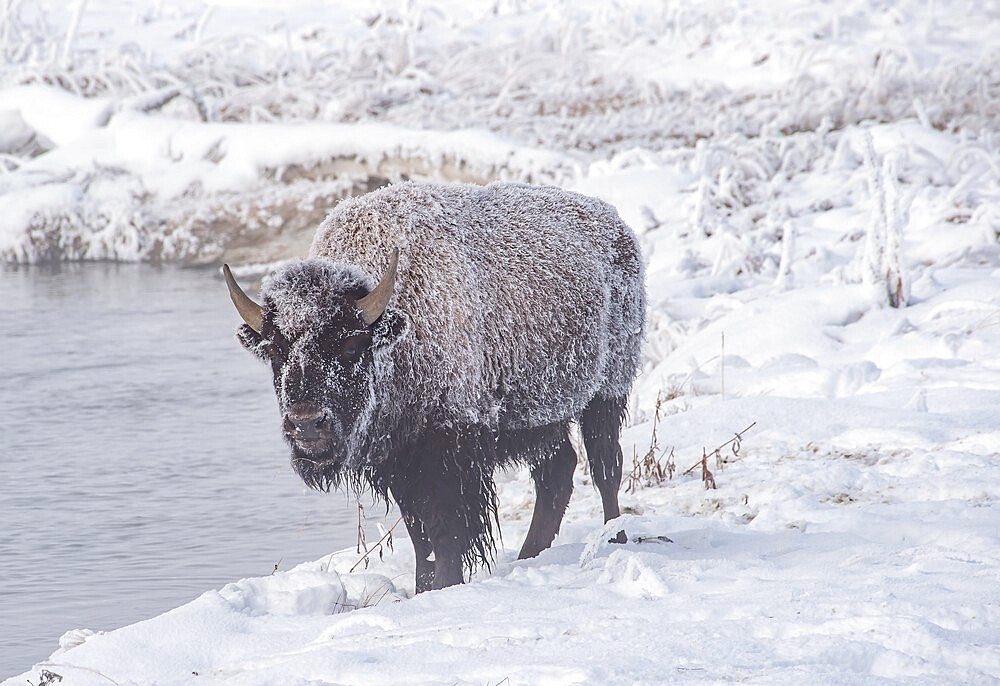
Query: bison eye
(271, 349)
(352, 346)
(274, 347)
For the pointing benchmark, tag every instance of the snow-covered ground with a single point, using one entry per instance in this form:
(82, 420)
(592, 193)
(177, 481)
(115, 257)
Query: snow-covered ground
(817, 187)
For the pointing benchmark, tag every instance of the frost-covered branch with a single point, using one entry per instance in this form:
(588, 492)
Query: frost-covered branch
(882, 260)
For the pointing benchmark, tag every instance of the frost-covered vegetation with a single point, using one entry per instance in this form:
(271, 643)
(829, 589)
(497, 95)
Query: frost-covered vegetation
(163, 130)
(817, 189)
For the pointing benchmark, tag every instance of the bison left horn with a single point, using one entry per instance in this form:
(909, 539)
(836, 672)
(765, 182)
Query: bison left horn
(373, 305)
(248, 309)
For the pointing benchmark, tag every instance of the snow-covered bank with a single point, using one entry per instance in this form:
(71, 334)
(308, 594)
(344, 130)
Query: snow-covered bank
(150, 187)
(828, 554)
(794, 171)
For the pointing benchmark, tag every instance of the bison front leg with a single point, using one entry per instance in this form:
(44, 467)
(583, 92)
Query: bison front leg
(422, 550)
(405, 489)
(457, 501)
(437, 531)
(446, 495)
(461, 510)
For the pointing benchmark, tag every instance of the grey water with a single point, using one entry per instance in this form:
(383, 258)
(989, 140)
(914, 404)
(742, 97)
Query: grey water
(141, 461)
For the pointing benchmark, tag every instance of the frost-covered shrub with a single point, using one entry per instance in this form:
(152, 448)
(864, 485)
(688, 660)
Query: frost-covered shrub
(882, 259)
(742, 99)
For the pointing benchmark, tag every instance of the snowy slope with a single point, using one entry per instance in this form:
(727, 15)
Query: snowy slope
(794, 171)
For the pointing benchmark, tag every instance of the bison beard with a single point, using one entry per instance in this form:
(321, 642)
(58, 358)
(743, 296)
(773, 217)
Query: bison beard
(503, 313)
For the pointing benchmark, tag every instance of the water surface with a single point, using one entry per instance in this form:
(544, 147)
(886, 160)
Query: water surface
(141, 461)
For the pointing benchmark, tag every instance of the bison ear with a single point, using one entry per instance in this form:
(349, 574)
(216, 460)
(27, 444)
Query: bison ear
(251, 340)
(389, 328)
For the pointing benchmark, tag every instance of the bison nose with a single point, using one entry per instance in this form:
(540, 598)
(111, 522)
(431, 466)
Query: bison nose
(304, 423)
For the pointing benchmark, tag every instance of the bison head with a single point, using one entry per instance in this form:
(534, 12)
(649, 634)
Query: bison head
(324, 328)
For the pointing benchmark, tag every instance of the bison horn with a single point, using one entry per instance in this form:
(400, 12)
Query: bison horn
(373, 305)
(248, 309)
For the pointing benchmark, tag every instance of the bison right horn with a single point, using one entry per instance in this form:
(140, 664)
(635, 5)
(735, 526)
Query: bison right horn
(248, 309)
(373, 305)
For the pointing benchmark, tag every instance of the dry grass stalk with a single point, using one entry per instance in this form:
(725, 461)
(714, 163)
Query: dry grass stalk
(369, 598)
(736, 443)
(653, 466)
(361, 530)
(384, 542)
(47, 678)
(706, 476)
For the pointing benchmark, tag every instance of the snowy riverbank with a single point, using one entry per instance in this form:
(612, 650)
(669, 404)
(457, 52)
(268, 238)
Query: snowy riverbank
(794, 172)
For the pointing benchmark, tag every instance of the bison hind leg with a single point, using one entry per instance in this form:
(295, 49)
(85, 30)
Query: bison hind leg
(552, 471)
(601, 425)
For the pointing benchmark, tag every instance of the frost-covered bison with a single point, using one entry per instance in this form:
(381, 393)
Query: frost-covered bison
(503, 313)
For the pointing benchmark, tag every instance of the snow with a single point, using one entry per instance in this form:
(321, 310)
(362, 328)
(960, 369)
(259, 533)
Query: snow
(854, 538)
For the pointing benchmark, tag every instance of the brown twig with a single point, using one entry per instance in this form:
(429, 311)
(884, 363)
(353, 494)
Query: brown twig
(378, 545)
(361, 530)
(706, 476)
(650, 465)
(736, 442)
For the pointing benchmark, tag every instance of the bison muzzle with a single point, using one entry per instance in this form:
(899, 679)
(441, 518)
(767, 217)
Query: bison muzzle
(503, 313)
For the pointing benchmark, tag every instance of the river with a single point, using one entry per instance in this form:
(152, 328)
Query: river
(141, 461)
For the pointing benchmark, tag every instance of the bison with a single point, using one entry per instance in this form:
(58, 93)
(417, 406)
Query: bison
(504, 313)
